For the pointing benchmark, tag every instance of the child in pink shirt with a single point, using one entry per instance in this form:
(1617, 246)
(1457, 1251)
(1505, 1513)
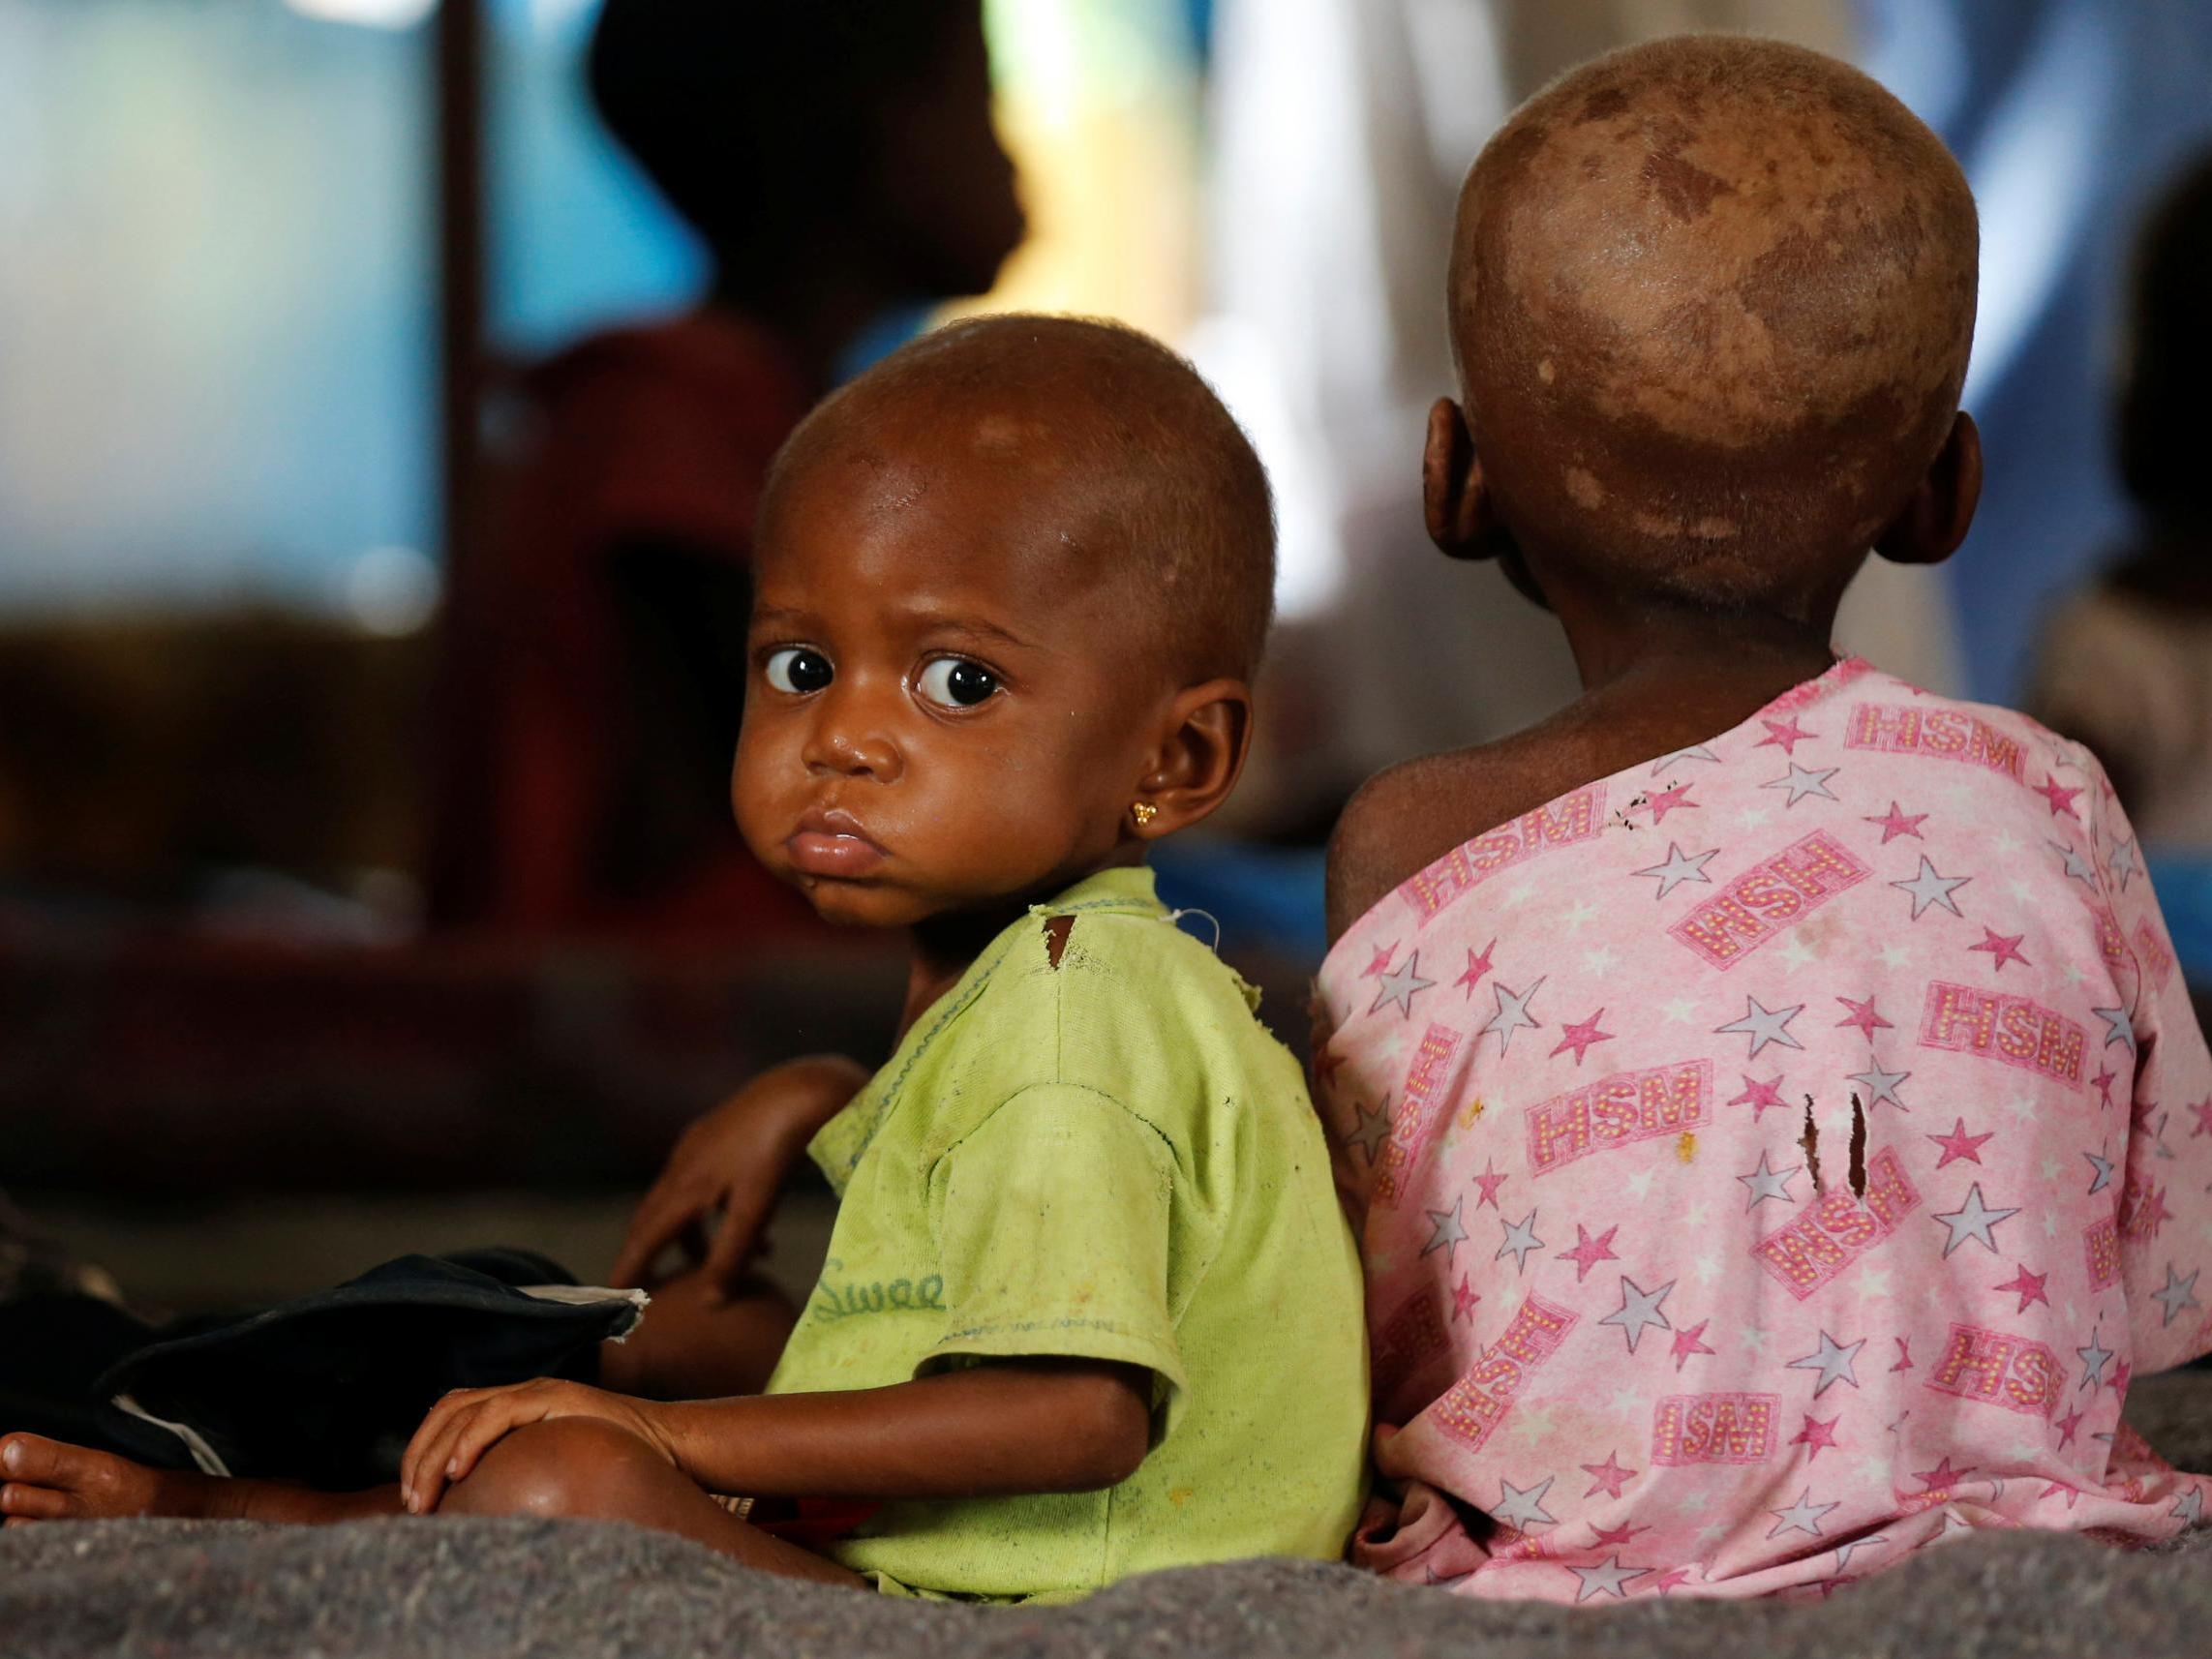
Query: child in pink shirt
(1776, 1126)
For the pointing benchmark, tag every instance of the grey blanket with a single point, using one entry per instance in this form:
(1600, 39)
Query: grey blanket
(489, 1589)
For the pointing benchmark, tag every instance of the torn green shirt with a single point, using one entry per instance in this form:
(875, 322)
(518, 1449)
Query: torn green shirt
(1109, 1160)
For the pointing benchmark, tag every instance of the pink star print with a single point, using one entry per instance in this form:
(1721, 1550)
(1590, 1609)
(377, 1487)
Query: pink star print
(2006, 948)
(1609, 1477)
(1787, 735)
(1488, 1181)
(2105, 1081)
(1904, 1353)
(1863, 1017)
(1463, 1300)
(1818, 1436)
(1959, 1144)
(2067, 1426)
(2061, 797)
(1759, 1096)
(1943, 1477)
(1689, 1341)
(1665, 800)
(1476, 967)
(2029, 1286)
(1581, 1035)
(1669, 1579)
(2203, 1110)
(1381, 962)
(1588, 1252)
(1896, 824)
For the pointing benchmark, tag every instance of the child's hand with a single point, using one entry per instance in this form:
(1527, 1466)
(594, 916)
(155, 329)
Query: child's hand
(733, 1161)
(467, 1423)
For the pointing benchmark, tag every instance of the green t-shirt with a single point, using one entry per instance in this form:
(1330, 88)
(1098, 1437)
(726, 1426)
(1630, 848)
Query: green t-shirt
(1110, 1159)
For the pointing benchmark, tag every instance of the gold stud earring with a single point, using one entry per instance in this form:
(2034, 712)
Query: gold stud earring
(1144, 812)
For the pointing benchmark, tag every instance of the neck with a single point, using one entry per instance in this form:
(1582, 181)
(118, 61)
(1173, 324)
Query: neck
(817, 306)
(943, 948)
(1618, 649)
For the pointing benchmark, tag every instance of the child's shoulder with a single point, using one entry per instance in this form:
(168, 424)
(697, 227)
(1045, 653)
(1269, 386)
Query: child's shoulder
(1408, 816)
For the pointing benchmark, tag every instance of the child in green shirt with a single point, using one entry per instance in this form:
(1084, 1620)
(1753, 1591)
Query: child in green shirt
(1090, 1305)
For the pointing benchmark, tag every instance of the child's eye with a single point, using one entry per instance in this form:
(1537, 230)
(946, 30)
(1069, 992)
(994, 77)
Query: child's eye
(796, 669)
(955, 682)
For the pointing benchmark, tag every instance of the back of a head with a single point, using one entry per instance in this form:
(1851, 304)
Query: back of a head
(1159, 483)
(1712, 299)
(2163, 425)
(760, 119)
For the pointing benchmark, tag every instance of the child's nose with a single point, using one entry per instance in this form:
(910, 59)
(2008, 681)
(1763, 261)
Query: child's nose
(852, 735)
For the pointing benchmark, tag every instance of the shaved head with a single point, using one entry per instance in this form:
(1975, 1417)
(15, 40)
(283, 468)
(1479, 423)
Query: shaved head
(1712, 299)
(1159, 488)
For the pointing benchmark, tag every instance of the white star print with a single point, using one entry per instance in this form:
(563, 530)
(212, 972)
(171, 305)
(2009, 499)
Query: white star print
(1580, 915)
(1451, 1228)
(1607, 1580)
(1512, 1012)
(1520, 1239)
(1601, 960)
(1930, 888)
(1796, 952)
(1801, 781)
(2189, 1507)
(1639, 1184)
(1881, 1086)
(2116, 1027)
(1678, 869)
(1835, 1364)
(1763, 1025)
(1893, 955)
(1679, 1010)
(1803, 1515)
(2178, 1295)
(1973, 1220)
(1766, 1182)
(2123, 863)
(1844, 1552)
(1523, 1507)
(1372, 1130)
(1753, 816)
(2077, 866)
(1697, 753)
(2006, 842)
(2104, 1168)
(1638, 1308)
(2094, 1359)
(1401, 986)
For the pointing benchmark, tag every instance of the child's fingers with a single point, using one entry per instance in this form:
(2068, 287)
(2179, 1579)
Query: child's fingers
(725, 1262)
(419, 1462)
(660, 1215)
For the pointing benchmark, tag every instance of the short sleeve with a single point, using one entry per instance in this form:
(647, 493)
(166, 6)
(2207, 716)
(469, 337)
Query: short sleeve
(2164, 1215)
(1052, 1224)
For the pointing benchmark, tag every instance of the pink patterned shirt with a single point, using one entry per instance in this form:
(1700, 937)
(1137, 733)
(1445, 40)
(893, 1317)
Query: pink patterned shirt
(1773, 1158)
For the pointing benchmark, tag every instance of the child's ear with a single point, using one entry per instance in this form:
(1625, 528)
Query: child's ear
(1936, 517)
(1206, 732)
(1455, 497)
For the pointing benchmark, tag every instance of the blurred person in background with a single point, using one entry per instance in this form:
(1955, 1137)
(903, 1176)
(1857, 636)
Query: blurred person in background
(2126, 666)
(838, 160)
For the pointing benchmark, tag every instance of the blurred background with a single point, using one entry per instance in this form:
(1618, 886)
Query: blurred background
(384, 385)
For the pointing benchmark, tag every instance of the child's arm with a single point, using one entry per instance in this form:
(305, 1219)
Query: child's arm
(733, 1161)
(1007, 1427)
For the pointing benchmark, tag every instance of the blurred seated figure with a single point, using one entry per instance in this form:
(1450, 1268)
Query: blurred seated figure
(2127, 666)
(838, 157)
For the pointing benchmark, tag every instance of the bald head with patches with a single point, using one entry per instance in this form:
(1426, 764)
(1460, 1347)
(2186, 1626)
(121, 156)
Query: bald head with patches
(1139, 475)
(1712, 299)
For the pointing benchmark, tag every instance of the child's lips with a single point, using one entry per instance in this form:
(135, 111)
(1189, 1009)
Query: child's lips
(833, 843)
